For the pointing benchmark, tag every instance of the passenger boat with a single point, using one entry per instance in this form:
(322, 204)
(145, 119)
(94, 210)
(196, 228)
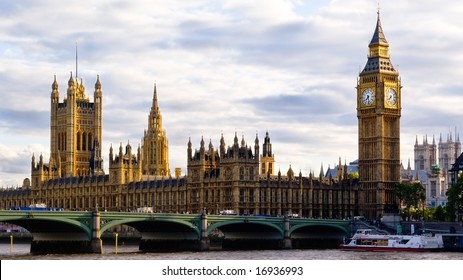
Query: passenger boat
(365, 240)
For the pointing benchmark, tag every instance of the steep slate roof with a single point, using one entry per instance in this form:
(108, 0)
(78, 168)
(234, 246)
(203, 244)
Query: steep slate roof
(378, 35)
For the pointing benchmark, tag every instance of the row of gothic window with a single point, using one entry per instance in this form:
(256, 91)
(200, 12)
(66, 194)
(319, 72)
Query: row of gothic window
(83, 141)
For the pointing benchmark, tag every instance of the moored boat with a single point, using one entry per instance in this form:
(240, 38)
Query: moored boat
(366, 240)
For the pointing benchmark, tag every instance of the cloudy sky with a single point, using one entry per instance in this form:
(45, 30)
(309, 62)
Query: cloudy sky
(286, 67)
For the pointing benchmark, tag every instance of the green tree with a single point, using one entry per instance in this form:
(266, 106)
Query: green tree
(412, 195)
(439, 213)
(455, 199)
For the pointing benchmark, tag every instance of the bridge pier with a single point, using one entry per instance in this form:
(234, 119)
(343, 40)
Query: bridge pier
(64, 247)
(204, 242)
(96, 243)
(286, 243)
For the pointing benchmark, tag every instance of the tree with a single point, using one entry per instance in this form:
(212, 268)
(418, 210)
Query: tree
(455, 198)
(439, 213)
(411, 195)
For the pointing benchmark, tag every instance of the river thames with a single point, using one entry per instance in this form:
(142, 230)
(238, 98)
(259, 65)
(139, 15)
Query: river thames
(129, 262)
(130, 252)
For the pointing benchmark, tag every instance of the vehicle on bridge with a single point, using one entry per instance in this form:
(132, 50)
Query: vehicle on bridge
(228, 212)
(36, 207)
(145, 210)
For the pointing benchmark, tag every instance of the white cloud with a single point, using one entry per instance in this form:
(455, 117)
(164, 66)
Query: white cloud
(287, 67)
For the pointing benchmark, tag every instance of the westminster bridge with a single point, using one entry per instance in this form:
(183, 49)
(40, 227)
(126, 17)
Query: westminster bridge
(81, 231)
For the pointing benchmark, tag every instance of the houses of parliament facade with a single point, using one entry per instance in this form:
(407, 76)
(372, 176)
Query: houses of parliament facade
(237, 177)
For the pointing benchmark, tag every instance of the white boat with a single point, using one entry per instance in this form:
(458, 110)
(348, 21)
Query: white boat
(365, 240)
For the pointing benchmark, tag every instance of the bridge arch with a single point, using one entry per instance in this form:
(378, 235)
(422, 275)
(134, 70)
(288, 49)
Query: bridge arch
(252, 225)
(40, 223)
(245, 233)
(147, 223)
(317, 236)
(299, 227)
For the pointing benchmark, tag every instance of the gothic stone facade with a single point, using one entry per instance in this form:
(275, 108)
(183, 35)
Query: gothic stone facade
(227, 179)
(237, 178)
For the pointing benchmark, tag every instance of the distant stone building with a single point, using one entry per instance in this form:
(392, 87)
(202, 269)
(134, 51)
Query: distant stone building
(436, 176)
(449, 151)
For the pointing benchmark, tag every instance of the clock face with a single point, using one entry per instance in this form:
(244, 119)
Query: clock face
(368, 96)
(391, 97)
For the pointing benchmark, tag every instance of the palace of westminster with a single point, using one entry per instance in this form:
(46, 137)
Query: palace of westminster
(238, 177)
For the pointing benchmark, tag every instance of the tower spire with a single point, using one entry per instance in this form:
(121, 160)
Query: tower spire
(155, 98)
(378, 35)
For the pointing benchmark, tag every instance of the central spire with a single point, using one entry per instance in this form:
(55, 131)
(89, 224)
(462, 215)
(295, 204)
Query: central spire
(155, 99)
(155, 119)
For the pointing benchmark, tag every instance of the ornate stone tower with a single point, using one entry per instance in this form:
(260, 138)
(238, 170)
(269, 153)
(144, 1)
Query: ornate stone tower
(76, 126)
(378, 113)
(155, 145)
(124, 167)
(449, 151)
(267, 160)
(425, 155)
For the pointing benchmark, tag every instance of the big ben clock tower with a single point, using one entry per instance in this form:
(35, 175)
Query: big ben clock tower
(378, 113)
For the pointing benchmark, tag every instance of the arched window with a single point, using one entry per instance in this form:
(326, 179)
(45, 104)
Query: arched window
(241, 173)
(78, 141)
(90, 142)
(421, 163)
(63, 138)
(84, 141)
(446, 164)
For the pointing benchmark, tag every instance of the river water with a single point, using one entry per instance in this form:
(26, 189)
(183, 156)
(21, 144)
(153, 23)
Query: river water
(129, 263)
(130, 252)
